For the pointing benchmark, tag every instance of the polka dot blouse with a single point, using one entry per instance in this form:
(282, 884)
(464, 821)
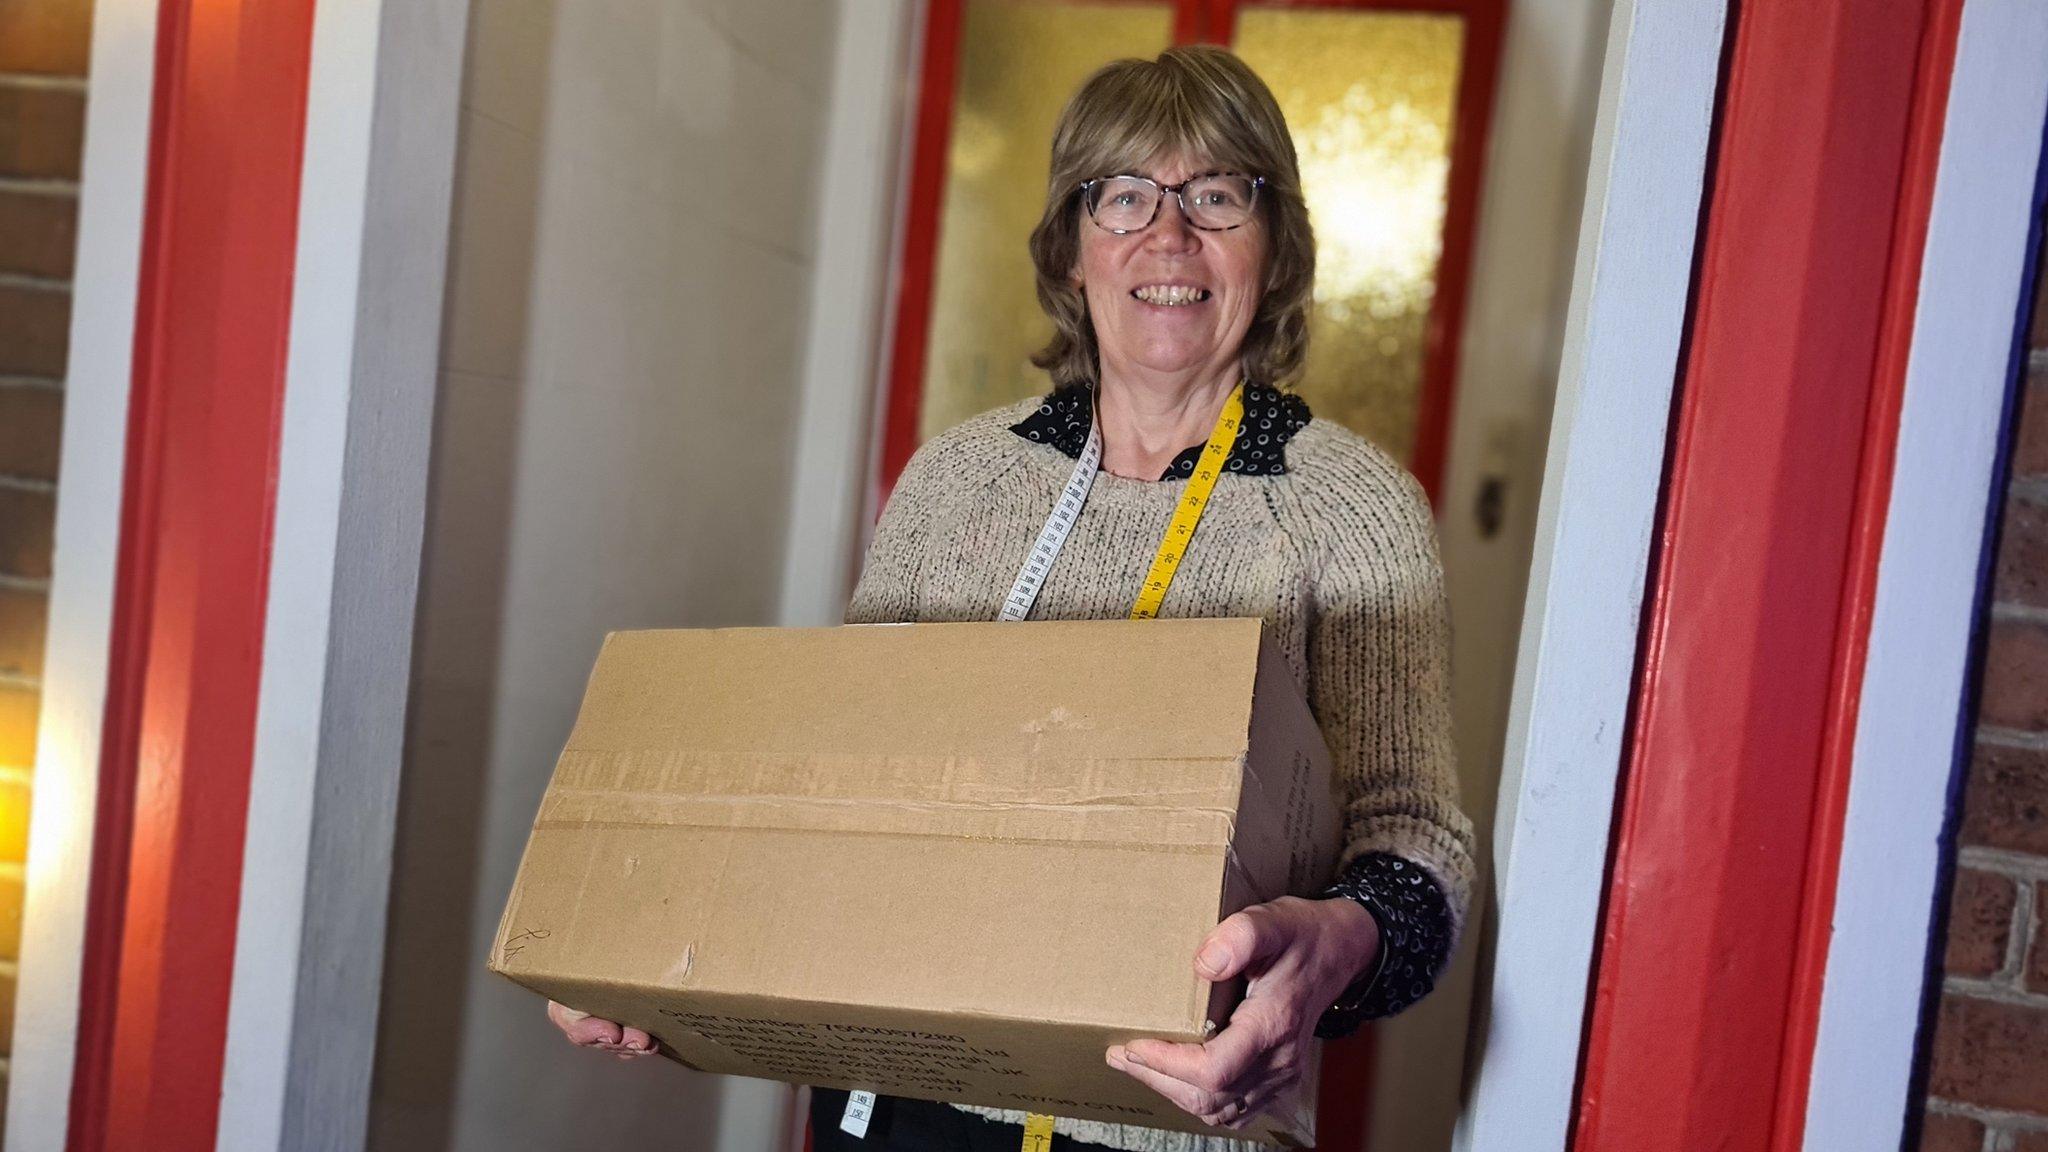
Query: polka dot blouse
(1271, 418)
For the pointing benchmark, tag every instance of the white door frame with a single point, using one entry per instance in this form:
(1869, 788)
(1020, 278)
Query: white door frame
(1576, 666)
(379, 144)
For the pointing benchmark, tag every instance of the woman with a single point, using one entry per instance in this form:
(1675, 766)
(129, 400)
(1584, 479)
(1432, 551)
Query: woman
(1175, 259)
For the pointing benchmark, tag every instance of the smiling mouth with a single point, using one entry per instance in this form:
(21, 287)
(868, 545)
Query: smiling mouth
(1170, 295)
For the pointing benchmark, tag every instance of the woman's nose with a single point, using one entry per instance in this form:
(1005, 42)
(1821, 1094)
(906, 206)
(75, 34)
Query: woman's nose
(1171, 232)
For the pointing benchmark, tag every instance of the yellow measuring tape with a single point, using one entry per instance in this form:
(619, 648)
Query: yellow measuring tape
(1037, 1133)
(1192, 501)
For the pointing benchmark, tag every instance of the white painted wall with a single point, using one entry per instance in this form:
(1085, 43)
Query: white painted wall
(630, 268)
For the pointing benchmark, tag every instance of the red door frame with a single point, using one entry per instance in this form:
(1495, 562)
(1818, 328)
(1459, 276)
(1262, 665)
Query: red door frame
(212, 319)
(1707, 985)
(1194, 21)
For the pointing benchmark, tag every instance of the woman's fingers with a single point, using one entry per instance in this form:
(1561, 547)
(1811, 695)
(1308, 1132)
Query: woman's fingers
(589, 1031)
(1260, 1100)
(1185, 1096)
(1247, 941)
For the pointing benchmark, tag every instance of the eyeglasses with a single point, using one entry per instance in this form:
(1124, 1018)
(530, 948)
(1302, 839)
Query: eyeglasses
(1213, 201)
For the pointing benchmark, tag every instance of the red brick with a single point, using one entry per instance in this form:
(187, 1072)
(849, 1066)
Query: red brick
(35, 324)
(2037, 337)
(2037, 964)
(2022, 569)
(23, 619)
(1951, 1134)
(51, 37)
(2030, 444)
(2016, 675)
(42, 132)
(2029, 1142)
(1991, 1054)
(31, 427)
(2005, 803)
(38, 232)
(1979, 922)
(26, 520)
(11, 894)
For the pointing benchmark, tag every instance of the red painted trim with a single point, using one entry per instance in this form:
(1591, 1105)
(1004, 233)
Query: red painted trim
(213, 316)
(1873, 503)
(919, 268)
(1344, 1093)
(1707, 902)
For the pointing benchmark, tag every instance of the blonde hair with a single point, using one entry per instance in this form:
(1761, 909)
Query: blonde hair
(1206, 104)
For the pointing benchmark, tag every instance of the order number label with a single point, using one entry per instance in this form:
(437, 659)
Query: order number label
(860, 1108)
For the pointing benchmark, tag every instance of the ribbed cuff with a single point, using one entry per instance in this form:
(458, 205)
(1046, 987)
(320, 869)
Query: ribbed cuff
(1415, 939)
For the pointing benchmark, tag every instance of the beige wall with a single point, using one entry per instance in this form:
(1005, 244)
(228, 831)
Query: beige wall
(630, 266)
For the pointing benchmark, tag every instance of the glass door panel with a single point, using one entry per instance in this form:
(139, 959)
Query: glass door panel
(1019, 62)
(1388, 106)
(1370, 97)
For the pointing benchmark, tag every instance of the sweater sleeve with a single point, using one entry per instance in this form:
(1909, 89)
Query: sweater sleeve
(943, 470)
(888, 589)
(1379, 680)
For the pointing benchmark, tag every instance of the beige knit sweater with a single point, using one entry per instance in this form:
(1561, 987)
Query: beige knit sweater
(1338, 554)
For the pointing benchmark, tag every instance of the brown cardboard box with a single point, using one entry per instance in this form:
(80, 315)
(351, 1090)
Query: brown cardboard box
(953, 861)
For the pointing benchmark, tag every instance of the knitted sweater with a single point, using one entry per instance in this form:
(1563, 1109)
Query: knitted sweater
(1338, 554)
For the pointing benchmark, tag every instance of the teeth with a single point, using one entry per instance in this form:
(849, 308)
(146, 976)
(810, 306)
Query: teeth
(1171, 295)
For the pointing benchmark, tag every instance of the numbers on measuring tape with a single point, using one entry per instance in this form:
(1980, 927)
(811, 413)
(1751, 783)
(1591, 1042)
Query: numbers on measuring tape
(1037, 1133)
(1172, 547)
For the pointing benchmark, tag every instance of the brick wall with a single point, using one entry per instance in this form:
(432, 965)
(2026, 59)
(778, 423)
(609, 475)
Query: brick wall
(43, 50)
(1988, 1078)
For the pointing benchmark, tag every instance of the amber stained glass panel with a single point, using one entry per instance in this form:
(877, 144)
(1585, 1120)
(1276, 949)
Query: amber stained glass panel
(1020, 60)
(1370, 98)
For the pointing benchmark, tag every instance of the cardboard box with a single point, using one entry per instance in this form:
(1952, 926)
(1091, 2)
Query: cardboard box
(952, 861)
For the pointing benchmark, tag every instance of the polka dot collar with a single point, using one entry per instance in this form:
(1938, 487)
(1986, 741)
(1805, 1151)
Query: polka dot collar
(1271, 418)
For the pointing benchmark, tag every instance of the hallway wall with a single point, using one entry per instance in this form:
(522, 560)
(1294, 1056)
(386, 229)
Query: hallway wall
(629, 272)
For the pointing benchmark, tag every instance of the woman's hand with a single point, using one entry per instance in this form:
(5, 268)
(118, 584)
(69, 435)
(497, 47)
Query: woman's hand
(1300, 955)
(587, 1031)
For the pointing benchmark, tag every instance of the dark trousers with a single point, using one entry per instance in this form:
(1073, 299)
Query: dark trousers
(903, 1125)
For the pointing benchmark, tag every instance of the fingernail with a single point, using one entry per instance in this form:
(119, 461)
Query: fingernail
(1115, 1057)
(1213, 957)
(1134, 1058)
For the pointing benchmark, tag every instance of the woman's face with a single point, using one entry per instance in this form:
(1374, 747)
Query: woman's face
(1172, 299)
